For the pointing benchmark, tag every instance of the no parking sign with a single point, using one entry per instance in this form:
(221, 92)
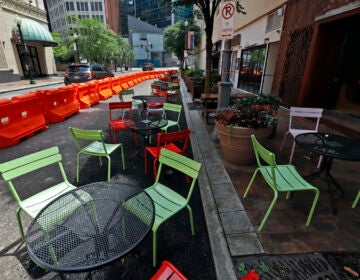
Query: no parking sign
(227, 20)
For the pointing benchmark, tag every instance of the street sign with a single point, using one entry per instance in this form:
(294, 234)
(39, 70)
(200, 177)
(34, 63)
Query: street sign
(227, 20)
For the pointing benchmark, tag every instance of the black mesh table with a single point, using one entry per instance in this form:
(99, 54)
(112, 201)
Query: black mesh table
(330, 146)
(90, 227)
(145, 125)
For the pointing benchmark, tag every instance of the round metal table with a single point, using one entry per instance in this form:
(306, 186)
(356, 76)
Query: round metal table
(146, 125)
(90, 227)
(330, 146)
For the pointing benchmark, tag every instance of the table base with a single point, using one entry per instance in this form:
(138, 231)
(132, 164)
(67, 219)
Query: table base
(330, 181)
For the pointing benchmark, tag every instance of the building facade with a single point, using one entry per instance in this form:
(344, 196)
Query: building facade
(306, 52)
(147, 42)
(25, 49)
(58, 10)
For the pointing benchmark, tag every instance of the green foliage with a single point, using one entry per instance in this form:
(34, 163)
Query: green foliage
(62, 52)
(194, 72)
(252, 112)
(96, 43)
(175, 37)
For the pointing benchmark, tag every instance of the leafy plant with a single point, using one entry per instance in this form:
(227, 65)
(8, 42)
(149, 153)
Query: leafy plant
(251, 112)
(194, 72)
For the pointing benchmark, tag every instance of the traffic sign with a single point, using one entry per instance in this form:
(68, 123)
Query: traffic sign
(227, 19)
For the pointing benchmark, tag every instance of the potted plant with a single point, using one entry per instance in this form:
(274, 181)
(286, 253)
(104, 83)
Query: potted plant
(245, 116)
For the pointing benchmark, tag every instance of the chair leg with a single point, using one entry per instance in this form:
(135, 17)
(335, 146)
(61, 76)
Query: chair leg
(154, 247)
(268, 211)
(250, 183)
(109, 167)
(78, 168)
(317, 193)
(191, 220)
(20, 224)
(283, 141)
(155, 169)
(122, 156)
(356, 200)
(292, 152)
(319, 162)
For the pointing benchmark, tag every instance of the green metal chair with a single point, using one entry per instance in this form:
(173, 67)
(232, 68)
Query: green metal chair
(18, 167)
(97, 147)
(167, 201)
(356, 200)
(280, 178)
(136, 104)
(167, 109)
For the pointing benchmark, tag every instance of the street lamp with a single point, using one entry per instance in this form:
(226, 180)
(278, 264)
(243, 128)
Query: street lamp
(76, 47)
(186, 24)
(28, 65)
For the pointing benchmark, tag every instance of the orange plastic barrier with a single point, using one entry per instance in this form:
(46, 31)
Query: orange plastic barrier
(123, 83)
(116, 85)
(59, 103)
(87, 94)
(104, 89)
(130, 81)
(20, 118)
(168, 271)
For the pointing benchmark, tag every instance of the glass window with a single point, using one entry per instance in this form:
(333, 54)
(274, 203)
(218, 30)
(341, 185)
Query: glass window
(251, 69)
(274, 20)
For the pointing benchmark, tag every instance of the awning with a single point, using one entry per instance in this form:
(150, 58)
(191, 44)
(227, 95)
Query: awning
(33, 31)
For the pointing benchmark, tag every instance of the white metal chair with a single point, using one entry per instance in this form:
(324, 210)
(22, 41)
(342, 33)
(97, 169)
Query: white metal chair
(305, 113)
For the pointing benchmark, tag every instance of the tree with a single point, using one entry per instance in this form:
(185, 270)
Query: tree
(206, 11)
(175, 37)
(62, 52)
(96, 43)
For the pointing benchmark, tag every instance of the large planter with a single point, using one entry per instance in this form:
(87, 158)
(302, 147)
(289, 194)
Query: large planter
(236, 143)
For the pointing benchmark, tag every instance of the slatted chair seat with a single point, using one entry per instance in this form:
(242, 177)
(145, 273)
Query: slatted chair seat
(91, 142)
(280, 178)
(20, 167)
(167, 201)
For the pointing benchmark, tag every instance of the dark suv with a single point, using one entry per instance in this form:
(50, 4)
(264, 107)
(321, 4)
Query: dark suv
(147, 66)
(84, 72)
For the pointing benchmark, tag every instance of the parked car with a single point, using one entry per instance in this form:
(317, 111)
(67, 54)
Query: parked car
(84, 72)
(147, 66)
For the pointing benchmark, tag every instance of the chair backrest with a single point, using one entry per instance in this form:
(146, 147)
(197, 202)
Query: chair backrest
(125, 92)
(172, 108)
(181, 163)
(26, 164)
(120, 107)
(87, 134)
(303, 112)
(155, 101)
(264, 155)
(172, 137)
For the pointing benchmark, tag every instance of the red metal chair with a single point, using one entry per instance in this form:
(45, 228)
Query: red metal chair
(117, 114)
(168, 271)
(173, 141)
(154, 104)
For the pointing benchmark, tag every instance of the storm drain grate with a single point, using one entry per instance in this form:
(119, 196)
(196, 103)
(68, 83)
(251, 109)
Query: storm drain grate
(297, 267)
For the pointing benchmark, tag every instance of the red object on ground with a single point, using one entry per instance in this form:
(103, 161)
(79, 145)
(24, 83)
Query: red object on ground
(168, 271)
(251, 275)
